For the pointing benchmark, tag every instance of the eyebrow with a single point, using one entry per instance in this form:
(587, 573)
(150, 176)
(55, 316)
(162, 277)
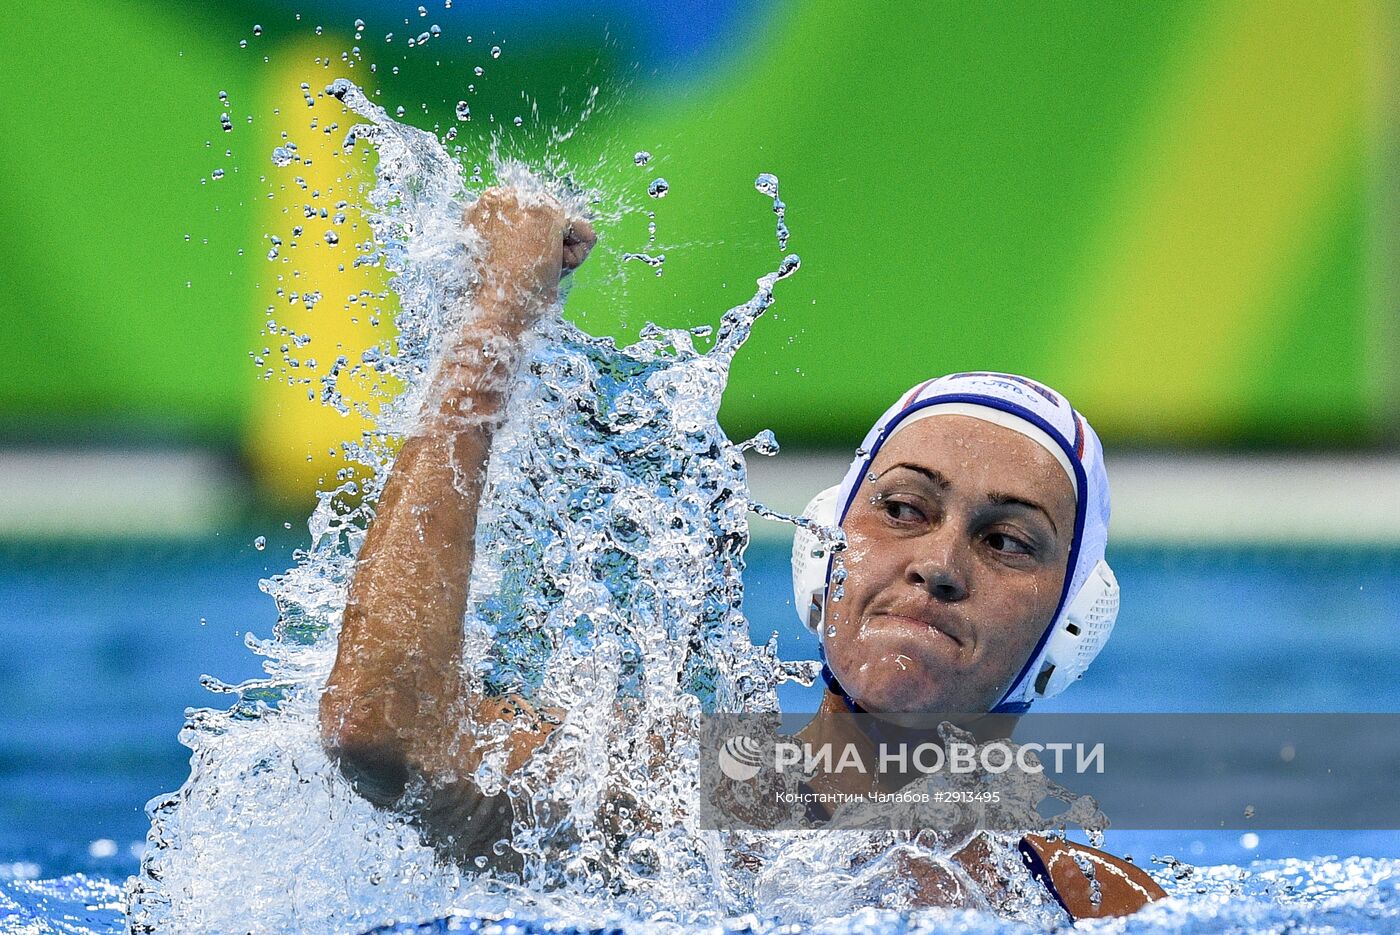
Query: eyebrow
(942, 482)
(1000, 499)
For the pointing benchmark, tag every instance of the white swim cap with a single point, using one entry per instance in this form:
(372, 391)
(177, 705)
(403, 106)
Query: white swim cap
(1088, 602)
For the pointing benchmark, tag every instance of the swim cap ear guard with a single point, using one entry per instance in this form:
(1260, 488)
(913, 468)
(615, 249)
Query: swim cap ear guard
(1089, 601)
(810, 560)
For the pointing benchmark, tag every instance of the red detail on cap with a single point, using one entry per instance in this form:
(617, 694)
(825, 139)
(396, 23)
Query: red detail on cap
(914, 394)
(1079, 440)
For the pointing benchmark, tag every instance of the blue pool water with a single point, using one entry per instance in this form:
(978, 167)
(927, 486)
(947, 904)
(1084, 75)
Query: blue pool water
(105, 644)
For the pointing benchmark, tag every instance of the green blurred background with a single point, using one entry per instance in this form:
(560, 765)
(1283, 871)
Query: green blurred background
(1182, 215)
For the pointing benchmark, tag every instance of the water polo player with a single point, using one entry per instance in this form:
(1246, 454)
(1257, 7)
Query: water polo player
(974, 580)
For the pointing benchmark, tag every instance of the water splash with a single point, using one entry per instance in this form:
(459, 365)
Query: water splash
(611, 541)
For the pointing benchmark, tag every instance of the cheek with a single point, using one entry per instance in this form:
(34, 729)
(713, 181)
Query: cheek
(1017, 611)
(860, 572)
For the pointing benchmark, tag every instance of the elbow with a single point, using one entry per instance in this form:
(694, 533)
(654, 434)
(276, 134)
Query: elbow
(368, 754)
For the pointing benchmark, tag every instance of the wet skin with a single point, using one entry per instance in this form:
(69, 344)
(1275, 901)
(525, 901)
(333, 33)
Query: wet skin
(958, 553)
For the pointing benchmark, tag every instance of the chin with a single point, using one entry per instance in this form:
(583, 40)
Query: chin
(886, 695)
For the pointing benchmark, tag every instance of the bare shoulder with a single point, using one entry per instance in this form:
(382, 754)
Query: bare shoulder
(1087, 882)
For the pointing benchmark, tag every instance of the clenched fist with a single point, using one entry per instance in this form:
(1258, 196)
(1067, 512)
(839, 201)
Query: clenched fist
(527, 245)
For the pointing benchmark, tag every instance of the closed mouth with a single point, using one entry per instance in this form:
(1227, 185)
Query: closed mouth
(921, 622)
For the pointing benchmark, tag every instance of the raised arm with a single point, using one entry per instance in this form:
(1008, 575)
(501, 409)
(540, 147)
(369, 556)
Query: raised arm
(396, 698)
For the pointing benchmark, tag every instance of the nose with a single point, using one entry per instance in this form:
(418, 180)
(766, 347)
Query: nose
(938, 571)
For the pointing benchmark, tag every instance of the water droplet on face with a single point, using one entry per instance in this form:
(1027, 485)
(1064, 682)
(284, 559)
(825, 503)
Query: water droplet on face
(260, 543)
(464, 111)
(831, 630)
(642, 158)
(658, 188)
(495, 51)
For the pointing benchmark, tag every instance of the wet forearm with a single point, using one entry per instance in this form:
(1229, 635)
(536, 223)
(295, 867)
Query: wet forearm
(396, 679)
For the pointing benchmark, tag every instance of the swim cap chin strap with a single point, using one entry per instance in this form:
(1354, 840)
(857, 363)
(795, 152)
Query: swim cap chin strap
(1088, 604)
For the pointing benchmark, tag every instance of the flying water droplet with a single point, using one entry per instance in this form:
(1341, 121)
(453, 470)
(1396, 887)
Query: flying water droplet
(464, 111)
(642, 158)
(764, 443)
(658, 188)
(767, 183)
(519, 121)
(656, 262)
(260, 543)
(495, 51)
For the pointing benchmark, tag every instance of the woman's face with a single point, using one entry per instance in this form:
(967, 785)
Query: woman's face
(957, 554)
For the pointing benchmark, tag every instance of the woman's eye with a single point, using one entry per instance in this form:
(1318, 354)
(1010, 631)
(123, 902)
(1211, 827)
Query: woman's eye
(1010, 545)
(901, 512)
